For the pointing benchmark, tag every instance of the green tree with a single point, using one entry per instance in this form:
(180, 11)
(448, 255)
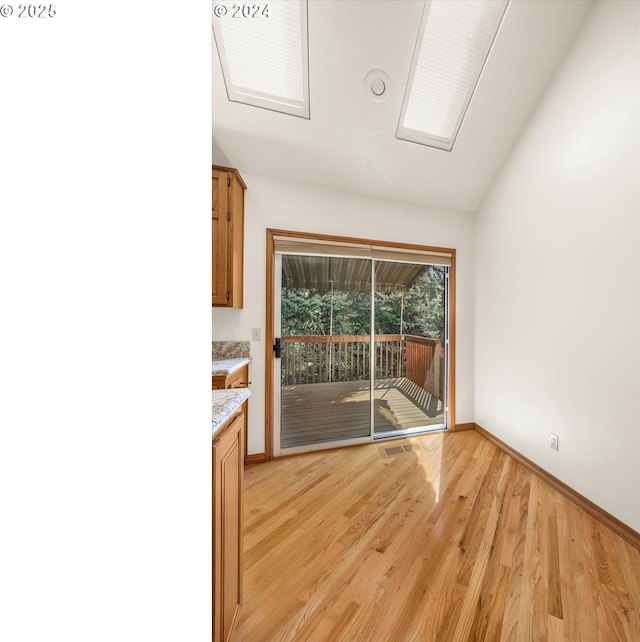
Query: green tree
(310, 312)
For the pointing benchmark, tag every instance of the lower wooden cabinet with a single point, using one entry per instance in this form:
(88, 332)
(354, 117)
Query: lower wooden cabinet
(237, 379)
(228, 475)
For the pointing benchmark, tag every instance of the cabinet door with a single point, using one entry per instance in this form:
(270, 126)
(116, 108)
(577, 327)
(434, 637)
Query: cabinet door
(219, 238)
(228, 475)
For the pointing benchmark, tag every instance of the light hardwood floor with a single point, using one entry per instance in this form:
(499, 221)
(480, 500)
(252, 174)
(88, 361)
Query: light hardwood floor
(448, 539)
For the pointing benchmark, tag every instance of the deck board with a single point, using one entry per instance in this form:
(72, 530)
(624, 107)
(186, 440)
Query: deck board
(321, 412)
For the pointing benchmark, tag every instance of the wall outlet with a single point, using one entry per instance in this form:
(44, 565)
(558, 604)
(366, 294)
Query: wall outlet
(256, 334)
(554, 441)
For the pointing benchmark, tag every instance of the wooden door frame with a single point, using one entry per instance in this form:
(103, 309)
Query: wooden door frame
(269, 329)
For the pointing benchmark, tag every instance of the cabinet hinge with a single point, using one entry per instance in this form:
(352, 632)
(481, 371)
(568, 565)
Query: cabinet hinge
(228, 182)
(228, 216)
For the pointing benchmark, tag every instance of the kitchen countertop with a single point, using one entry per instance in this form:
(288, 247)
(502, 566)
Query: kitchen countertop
(227, 366)
(224, 403)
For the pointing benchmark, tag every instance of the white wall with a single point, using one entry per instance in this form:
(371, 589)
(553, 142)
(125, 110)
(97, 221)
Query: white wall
(272, 203)
(557, 345)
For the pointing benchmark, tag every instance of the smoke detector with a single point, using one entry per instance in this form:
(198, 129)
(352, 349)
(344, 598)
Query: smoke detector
(377, 85)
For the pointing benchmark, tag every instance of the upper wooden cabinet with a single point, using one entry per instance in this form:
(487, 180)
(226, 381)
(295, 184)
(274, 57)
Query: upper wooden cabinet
(227, 228)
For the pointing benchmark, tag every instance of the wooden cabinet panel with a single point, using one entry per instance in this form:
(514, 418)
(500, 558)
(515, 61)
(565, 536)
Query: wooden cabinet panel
(219, 209)
(227, 237)
(228, 474)
(237, 379)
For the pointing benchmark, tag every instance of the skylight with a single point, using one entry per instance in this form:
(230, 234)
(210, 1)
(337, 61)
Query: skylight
(454, 40)
(264, 53)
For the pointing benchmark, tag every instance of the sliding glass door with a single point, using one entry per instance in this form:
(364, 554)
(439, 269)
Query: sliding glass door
(325, 305)
(410, 347)
(360, 350)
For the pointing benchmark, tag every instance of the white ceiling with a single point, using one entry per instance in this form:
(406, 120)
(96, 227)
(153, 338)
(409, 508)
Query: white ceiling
(349, 141)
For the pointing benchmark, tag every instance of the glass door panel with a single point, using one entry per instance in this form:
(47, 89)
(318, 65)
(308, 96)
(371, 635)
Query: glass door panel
(325, 350)
(410, 340)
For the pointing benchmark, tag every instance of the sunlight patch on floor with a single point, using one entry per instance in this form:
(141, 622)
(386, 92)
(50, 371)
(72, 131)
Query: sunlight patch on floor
(433, 444)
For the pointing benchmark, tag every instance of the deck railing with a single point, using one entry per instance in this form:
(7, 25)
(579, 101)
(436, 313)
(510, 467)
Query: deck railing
(330, 359)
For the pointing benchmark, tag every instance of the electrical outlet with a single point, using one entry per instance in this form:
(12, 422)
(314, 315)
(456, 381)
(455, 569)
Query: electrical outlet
(554, 441)
(256, 334)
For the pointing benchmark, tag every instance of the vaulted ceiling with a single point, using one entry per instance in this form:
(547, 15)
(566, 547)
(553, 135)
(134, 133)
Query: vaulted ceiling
(349, 141)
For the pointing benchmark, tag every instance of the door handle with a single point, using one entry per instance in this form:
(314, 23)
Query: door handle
(277, 348)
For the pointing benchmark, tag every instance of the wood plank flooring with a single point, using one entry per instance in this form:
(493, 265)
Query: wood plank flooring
(319, 412)
(442, 538)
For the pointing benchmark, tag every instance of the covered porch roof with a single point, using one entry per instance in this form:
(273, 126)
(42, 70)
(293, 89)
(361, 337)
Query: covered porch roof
(346, 273)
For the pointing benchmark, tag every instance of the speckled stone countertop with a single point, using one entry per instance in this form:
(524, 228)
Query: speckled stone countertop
(227, 366)
(224, 403)
(230, 349)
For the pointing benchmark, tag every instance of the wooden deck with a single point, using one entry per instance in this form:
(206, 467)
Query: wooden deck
(321, 412)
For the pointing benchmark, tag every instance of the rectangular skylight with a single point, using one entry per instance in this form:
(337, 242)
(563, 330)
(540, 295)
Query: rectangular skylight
(263, 49)
(454, 40)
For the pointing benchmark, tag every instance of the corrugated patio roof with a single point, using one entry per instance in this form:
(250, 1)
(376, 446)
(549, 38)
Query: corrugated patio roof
(317, 272)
